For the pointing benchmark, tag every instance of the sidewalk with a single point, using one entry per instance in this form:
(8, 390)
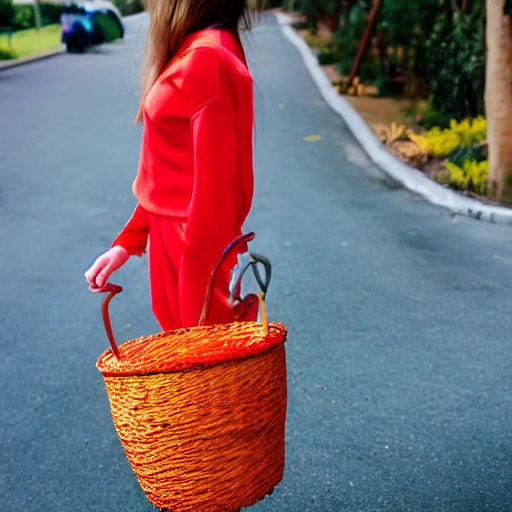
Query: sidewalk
(410, 178)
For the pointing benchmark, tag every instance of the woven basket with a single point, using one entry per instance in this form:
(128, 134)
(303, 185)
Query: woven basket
(201, 412)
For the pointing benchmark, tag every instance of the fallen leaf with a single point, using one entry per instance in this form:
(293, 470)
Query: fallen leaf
(312, 138)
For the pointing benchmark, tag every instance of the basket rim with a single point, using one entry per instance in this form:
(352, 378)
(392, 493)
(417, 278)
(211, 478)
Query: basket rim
(261, 344)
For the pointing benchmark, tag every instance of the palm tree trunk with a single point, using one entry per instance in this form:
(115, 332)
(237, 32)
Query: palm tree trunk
(498, 100)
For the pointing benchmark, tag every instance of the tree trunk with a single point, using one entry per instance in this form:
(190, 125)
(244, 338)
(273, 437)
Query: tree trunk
(498, 100)
(37, 15)
(363, 45)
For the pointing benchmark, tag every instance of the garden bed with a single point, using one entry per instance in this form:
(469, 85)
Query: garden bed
(454, 156)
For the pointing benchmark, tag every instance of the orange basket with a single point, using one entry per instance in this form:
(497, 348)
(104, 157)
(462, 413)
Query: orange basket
(201, 411)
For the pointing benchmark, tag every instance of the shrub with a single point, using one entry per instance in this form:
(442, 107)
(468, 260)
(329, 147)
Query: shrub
(437, 142)
(325, 57)
(470, 132)
(7, 53)
(388, 87)
(472, 175)
(50, 13)
(455, 65)
(6, 12)
(443, 143)
(345, 49)
(127, 7)
(463, 153)
(23, 17)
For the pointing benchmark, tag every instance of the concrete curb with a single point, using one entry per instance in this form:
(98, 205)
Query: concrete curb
(6, 64)
(409, 177)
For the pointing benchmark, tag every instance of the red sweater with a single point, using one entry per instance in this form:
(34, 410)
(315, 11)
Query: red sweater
(196, 153)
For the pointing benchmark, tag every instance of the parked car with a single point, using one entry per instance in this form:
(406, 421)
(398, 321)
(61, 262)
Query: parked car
(90, 23)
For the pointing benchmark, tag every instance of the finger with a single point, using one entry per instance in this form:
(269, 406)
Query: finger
(95, 269)
(96, 289)
(103, 276)
(90, 275)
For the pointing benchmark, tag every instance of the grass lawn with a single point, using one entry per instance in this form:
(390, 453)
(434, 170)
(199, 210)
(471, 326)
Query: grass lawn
(27, 42)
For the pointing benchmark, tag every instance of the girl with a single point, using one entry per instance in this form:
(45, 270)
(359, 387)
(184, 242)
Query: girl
(194, 183)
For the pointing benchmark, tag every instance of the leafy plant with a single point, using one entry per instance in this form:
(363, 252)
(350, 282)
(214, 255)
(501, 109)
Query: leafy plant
(470, 131)
(7, 53)
(127, 7)
(23, 17)
(436, 142)
(472, 175)
(463, 153)
(391, 133)
(404, 19)
(444, 142)
(325, 57)
(6, 12)
(455, 64)
(388, 87)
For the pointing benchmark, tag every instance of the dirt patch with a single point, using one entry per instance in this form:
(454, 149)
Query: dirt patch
(384, 111)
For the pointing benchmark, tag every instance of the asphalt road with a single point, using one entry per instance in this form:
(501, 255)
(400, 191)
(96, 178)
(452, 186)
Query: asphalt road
(399, 319)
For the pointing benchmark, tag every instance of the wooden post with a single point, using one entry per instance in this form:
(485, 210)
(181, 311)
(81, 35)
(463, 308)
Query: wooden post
(363, 45)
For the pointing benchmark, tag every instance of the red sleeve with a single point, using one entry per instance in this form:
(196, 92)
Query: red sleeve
(214, 209)
(134, 235)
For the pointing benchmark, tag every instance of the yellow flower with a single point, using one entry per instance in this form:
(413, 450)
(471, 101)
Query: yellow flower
(441, 143)
(471, 176)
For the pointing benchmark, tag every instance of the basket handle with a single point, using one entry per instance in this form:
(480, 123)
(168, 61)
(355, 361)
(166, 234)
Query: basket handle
(112, 289)
(242, 239)
(235, 284)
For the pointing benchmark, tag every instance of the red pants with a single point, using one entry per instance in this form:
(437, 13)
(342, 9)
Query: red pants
(170, 301)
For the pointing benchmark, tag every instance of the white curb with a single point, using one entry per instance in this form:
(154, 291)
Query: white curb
(409, 177)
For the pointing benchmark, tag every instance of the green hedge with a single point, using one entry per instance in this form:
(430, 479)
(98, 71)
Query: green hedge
(128, 7)
(7, 53)
(6, 12)
(21, 17)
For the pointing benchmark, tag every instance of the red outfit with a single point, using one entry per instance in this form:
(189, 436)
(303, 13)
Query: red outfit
(194, 183)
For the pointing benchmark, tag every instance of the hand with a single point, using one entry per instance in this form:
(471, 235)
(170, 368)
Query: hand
(97, 276)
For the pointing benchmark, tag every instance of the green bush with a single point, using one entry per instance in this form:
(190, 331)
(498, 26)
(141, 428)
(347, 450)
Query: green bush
(388, 87)
(403, 19)
(471, 175)
(6, 12)
(127, 7)
(345, 50)
(50, 13)
(325, 57)
(455, 66)
(23, 17)
(463, 153)
(7, 53)
(431, 118)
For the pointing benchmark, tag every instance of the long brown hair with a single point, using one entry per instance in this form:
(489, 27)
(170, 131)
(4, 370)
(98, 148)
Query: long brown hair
(171, 20)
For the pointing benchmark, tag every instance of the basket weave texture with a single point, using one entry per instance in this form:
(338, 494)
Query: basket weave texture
(201, 414)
